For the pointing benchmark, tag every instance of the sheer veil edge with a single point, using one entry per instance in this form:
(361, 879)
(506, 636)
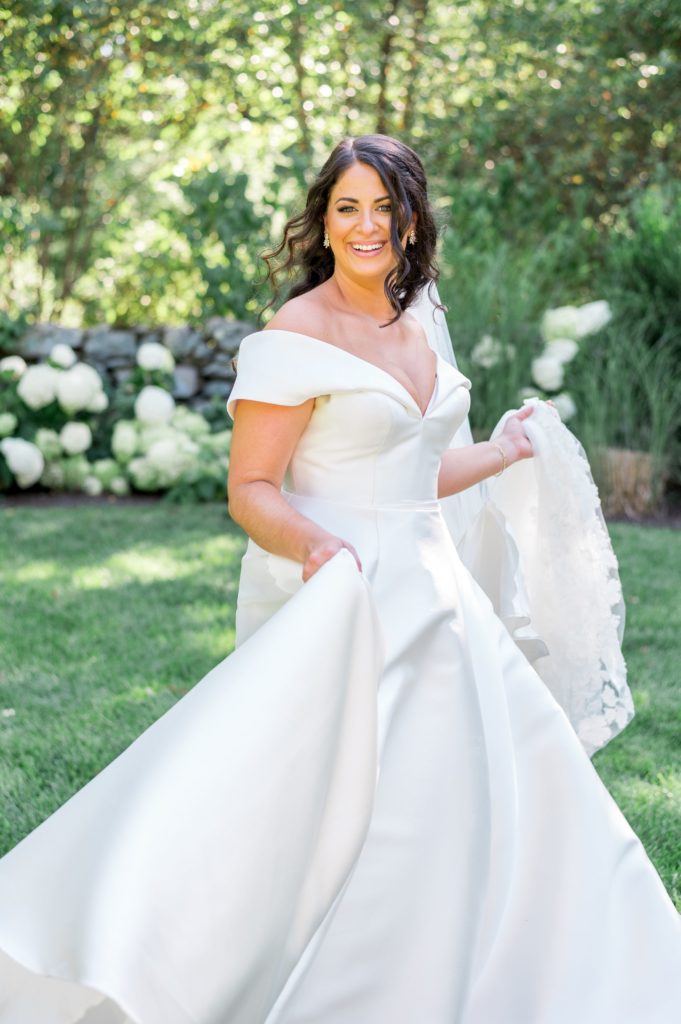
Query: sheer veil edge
(536, 541)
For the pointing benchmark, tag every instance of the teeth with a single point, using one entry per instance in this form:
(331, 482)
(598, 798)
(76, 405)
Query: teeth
(368, 248)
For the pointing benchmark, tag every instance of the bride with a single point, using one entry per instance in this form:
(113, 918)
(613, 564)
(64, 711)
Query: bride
(375, 810)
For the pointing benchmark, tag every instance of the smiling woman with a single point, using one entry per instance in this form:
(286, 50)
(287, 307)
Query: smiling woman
(371, 191)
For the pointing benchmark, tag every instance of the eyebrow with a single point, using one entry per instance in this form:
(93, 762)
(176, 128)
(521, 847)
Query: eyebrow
(349, 199)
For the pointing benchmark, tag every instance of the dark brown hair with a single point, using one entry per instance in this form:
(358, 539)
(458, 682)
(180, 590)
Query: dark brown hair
(402, 173)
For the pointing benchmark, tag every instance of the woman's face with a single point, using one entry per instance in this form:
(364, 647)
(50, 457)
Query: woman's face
(358, 222)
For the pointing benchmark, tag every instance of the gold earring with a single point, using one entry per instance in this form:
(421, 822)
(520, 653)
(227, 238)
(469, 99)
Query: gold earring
(326, 239)
(412, 237)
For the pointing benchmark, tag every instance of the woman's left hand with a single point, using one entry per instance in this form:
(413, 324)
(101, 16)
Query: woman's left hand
(513, 438)
(516, 443)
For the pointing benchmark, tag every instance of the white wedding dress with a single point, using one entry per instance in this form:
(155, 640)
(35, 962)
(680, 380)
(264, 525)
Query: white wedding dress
(374, 811)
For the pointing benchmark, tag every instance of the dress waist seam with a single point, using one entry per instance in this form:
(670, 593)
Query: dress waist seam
(404, 505)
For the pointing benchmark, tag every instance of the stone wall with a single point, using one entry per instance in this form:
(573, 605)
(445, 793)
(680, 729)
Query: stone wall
(203, 355)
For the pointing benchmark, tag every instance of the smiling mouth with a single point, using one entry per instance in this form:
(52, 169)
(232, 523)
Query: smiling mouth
(367, 247)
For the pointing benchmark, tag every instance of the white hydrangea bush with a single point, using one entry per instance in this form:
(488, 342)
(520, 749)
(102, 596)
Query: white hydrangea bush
(153, 357)
(181, 456)
(168, 448)
(48, 442)
(64, 433)
(154, 405)
(563, 330)
(75, 438)
(38, 385)
(13, 366)
(24, 460)
(62, 356)
(55, 407)
(8, 424)
(78, 388)
(501, 371)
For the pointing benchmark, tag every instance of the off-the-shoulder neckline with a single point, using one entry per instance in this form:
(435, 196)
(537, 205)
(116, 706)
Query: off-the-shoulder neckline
(367, 362)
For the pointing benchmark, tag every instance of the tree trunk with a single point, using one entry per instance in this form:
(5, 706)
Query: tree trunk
(415, 52)
(386, 48)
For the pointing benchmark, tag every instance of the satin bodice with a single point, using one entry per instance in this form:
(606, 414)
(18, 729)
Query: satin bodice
(367, 441)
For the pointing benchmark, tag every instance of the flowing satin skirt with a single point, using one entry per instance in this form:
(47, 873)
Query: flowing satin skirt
(372, 812)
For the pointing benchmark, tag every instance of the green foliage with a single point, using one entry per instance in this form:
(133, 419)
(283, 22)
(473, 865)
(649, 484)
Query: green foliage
(628, 395)
(121, 122)
(644, 264)
(503, 290)
(11, 329)
(6, 478)
(223, 231)
(206, 480)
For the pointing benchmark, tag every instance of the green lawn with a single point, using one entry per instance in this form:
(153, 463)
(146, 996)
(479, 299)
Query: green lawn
(111, 612)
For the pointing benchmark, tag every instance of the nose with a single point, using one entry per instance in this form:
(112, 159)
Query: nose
(367, 221)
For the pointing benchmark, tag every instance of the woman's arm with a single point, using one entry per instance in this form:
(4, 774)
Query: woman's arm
(463, 467)
(264, 437)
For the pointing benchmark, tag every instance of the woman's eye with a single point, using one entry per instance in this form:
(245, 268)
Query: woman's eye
(346, 209)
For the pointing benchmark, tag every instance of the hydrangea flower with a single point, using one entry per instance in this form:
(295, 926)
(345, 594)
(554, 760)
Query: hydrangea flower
(106, 470)
(48, 442)
(489, 351)
(124, 440)
(99, 403)
(143, 474)
(547, 372)
(92, 486)
(62, 355)
(170, 458)
(53, 476)
(565, 405)
(152, 356)
(8, 423)
(119, 486)
(38, 386)
(14, 365)
(25, 460)
(149, 433)
(75, 438)
(154, 405)
(77, 387)
(592, 317)
(562, 349)
(218, 442)
(191, 423)
(559, 323)
(575, 322)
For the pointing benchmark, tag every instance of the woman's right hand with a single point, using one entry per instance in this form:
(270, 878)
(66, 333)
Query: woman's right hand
(322, 550)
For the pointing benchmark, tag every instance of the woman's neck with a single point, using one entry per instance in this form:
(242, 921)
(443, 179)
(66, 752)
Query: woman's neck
(364, 299)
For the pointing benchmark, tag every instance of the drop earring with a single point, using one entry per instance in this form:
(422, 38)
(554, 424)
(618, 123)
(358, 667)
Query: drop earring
(412, 237)
(326, 239)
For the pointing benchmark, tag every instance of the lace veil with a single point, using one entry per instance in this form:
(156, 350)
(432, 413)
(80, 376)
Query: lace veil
(536, 542)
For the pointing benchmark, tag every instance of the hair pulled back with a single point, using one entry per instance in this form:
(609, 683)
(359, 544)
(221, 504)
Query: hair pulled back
(402, 173)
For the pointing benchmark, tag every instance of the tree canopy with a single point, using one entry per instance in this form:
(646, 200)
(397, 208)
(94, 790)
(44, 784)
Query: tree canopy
(148, 153)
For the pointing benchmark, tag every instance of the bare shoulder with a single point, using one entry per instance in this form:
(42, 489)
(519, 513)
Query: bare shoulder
(305, 314)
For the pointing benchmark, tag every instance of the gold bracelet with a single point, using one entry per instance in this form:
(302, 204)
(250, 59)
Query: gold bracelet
(503, 457)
